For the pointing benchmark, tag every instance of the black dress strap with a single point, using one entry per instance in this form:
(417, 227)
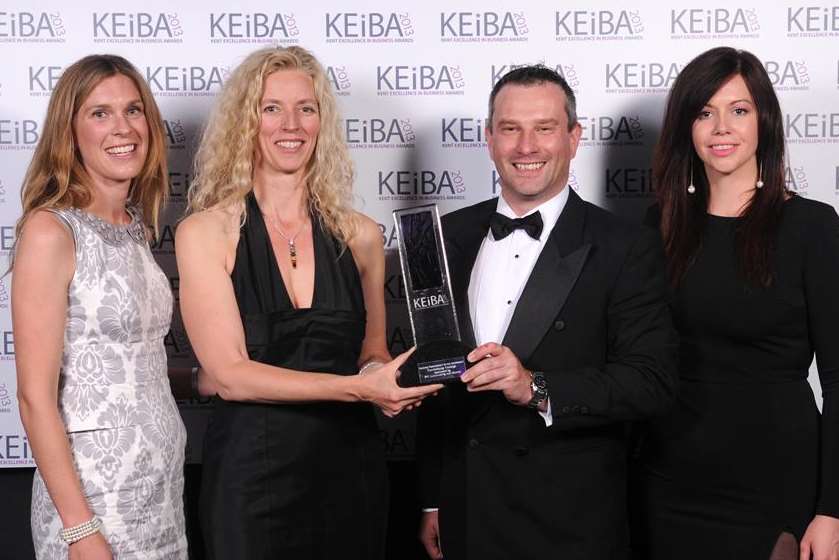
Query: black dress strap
(258, 283)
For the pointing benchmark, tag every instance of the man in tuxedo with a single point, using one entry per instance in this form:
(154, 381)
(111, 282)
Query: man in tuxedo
(526, 458)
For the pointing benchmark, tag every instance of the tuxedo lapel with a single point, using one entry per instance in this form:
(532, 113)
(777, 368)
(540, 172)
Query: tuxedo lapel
(551, 281)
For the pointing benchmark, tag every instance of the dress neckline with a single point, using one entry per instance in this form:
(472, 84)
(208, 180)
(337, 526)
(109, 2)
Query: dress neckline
(114, 234)
(272, 255)
(732, 219)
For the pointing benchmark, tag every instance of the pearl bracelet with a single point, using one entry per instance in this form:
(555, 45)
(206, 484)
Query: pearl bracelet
(77, 533)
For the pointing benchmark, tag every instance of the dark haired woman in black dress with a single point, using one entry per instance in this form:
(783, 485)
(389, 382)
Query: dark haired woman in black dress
(744, 467)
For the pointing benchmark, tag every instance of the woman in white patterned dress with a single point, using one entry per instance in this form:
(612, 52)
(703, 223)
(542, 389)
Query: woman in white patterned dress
(90, 309)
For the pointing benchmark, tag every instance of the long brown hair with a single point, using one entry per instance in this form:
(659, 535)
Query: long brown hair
(683, 215)
(56, 177)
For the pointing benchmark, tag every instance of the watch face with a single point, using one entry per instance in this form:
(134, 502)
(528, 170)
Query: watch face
(539, 386)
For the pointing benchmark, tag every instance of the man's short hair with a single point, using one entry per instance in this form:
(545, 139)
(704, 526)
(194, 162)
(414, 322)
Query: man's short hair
(535, 74)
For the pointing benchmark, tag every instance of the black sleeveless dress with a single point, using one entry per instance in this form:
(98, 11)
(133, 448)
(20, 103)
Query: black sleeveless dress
(302, 481)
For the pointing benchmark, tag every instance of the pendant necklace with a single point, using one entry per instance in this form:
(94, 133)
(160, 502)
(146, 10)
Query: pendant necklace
(292, 248)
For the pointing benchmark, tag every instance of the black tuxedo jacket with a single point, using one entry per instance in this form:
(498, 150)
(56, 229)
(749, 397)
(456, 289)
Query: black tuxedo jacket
(593, 316)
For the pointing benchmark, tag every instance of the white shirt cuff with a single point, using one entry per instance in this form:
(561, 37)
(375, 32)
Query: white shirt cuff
(547, 416)
(429, 510)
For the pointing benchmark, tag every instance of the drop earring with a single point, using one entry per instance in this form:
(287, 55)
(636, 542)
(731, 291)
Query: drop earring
(691, 188)
(759, 183)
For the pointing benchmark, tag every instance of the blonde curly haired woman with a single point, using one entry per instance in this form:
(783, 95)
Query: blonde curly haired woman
(282, 294)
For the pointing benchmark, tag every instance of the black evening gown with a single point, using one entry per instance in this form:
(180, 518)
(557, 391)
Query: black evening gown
(303, 481)
(745, 455)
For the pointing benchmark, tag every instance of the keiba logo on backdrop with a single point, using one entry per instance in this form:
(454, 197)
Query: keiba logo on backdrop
(394, 288)
(567, 71)
(399, 443)
(640, 77)
(462, 132)
(42, 79)
(369, 27)
(714, 23)
(813, 21)
(605, 130)
(629, 182)
(425, 184)
(379, 133)
(19, 134)
(339, 77)
(164, 243)
(796, 179)
(254, 27)
(175, 286)
(811, 128)
(788, 75)
(4, 293)
(179, 182)
(389, 238)
(175, 134)
(476, 27)
(7, 346)
(2, 201)
(399, 339)
(186, 81)
(177, 342)
(6, 399)
(32, 27)
(496, 181)
(426, 79)
(599, 25)
(137, 27)
(14, 450)
(7, 239)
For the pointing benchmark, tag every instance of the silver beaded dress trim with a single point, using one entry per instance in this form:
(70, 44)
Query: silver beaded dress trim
(115, 235)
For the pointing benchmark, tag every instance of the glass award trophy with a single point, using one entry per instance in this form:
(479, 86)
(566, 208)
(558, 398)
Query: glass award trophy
(440, 356)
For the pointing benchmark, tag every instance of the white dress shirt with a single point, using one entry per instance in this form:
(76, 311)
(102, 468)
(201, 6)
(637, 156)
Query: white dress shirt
(501, 271)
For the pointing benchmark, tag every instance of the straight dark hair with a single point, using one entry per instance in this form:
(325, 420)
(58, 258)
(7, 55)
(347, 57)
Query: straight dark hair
(683, 215)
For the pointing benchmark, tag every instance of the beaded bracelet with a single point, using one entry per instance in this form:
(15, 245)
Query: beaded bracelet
(77, 533)
(369, 365)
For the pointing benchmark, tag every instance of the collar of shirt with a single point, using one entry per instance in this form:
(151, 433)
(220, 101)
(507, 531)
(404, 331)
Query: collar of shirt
(502, 268)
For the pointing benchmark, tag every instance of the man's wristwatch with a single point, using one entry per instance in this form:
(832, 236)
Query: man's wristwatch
(539, 386)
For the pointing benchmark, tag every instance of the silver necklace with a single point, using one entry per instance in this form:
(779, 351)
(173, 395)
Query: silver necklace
(292, 248)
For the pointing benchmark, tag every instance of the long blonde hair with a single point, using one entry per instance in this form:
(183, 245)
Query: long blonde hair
(224, 161)
(56, 177)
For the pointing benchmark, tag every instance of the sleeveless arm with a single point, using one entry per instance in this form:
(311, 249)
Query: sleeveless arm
(214, 326)
(44, 267)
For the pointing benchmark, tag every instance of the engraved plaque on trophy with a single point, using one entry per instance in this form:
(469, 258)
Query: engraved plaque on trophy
(440, 356)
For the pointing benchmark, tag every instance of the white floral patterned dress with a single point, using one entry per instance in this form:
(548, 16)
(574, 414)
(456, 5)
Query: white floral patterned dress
(125, 432)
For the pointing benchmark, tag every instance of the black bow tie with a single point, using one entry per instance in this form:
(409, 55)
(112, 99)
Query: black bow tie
(502, 226)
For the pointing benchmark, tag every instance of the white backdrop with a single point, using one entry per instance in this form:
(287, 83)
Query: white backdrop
(413, 81)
